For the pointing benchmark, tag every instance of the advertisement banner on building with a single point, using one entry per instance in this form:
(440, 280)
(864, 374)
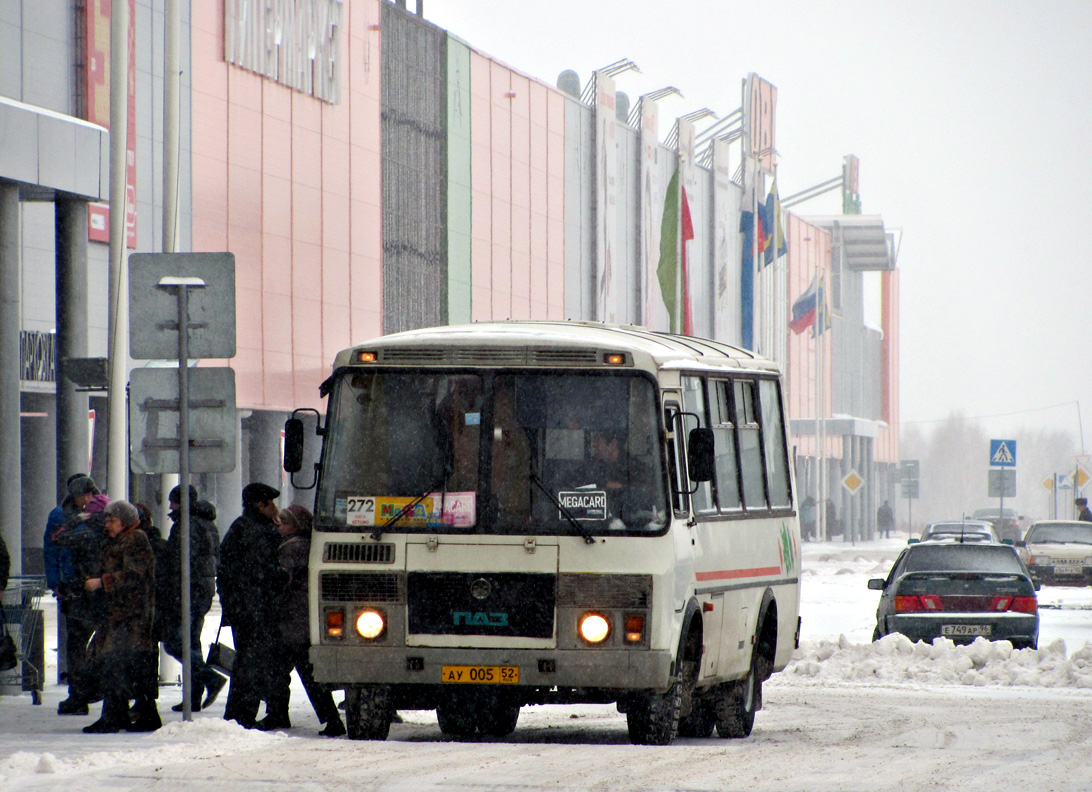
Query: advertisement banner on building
(761, 110)
(97, 111)
(653, 189)
(606, 199)
(726, 248)
(689, 199)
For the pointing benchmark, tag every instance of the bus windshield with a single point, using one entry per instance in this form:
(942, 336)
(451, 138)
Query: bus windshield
(493, 452)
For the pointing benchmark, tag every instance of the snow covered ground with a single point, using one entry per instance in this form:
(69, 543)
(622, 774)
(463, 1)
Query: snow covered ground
(845, 715)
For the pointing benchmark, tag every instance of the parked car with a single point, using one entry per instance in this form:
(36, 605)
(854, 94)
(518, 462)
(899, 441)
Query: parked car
(960, 531)
(958, 591)
(1059, 552)
(1006, 522)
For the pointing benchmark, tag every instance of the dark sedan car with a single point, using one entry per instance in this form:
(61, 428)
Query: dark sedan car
(958, 591)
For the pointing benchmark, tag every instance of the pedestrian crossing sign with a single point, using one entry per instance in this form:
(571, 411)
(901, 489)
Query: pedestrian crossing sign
(1003, 453)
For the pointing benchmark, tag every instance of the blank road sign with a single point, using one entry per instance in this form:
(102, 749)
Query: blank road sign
(153, 311)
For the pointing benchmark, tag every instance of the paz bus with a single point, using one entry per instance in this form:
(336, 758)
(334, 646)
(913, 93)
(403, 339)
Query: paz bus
(532, 512)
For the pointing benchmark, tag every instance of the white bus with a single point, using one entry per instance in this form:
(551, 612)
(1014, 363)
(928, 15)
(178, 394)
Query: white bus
(532, 512)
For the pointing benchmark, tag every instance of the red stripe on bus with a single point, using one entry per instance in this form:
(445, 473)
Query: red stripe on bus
(730, 574)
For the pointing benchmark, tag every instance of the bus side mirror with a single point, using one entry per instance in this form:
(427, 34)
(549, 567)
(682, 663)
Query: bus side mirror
(700, 459)
(293, 445)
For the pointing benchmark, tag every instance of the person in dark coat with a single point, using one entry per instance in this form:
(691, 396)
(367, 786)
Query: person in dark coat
(1085, 514)
(73, 544)
(295, 524)
(204, 558)
(249, 581)
(5, 566)
(123, 650)
(885, 520)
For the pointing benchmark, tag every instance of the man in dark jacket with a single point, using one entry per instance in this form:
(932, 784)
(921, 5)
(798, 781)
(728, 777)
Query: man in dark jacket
(249, 581)
(73, 544)
(204, 558)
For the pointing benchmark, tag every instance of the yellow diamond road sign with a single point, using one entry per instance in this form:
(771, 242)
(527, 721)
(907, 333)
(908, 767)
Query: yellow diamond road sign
(1082, 477)
(1048, 483)
(853, 482)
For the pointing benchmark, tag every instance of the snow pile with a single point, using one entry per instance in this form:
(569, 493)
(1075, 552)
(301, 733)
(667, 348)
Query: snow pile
(895, 659)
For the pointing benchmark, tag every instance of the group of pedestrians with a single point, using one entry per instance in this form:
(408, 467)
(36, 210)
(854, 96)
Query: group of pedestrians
(118, 585)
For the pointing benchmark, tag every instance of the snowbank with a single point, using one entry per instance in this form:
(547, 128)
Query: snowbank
(895, 659)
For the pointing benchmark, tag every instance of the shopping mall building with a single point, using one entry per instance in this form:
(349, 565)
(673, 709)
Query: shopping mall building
(372, 173)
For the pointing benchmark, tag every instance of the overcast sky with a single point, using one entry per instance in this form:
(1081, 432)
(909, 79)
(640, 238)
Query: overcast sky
(973, 124)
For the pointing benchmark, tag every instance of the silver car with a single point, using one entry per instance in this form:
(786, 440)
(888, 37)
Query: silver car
(1059, 552)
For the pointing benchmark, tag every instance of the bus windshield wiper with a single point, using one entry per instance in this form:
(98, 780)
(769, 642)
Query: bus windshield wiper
(409, 507)
(580, 529)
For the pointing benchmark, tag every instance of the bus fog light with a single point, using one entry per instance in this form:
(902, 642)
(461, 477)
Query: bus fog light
(370, 624)
(635, 629)
(594, 628)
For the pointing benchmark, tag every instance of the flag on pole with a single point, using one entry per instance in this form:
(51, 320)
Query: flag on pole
(776, 246)
(822, 310)
(667, 268)
(687, 230)
(747, 279)
(805, 308)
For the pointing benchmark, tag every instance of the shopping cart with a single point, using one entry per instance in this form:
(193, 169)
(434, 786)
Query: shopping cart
(25, 622)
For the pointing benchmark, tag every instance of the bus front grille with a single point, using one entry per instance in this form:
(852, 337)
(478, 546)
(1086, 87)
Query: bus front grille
(353, 553)
(481, 603)
(361, 587)
(604, 591)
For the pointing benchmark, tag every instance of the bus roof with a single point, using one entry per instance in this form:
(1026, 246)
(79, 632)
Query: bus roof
(545, 343)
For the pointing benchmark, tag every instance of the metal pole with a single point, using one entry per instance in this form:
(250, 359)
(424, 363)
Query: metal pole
(184, 492)
(118, 456)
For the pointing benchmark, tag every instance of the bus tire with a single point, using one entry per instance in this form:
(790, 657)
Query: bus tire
(653, 718)
(738, 703)
(368, 712)
(700, 716)
(455, 718)
(499, 721)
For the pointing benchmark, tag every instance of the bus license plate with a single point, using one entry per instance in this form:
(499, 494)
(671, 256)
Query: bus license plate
(480, 675)
(966, 629)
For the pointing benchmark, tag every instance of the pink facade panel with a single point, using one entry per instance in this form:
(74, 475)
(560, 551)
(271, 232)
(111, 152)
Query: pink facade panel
(805, 388)
(291, 185)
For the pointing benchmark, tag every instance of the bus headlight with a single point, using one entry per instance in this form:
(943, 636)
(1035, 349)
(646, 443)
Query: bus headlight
(594, 628)
(370, 624)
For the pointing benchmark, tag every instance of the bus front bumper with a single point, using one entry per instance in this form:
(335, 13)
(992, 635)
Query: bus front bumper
(635, 669)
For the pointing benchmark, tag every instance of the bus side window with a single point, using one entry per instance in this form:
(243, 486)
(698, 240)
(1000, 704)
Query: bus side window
(724, 433)
(676, 456)
(694, 402)
(774, 445)
(750, 444)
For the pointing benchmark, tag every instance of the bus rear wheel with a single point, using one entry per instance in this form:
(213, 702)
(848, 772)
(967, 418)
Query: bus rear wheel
(368, 712)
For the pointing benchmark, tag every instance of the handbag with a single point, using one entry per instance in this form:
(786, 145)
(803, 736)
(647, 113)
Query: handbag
(9, 656)
(221, 657)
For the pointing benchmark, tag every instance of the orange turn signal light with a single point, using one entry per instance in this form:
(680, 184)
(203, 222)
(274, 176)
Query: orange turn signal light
(635, 629)
(335, 623)
(366, 357)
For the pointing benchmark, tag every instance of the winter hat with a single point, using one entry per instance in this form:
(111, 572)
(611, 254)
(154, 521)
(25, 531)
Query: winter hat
(176, 495)
(124, 511)
(82, 485)
(303, 517)
(256, 493)
(97, 504)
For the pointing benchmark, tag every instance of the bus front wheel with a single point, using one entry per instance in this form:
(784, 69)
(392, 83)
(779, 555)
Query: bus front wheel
(368, 712)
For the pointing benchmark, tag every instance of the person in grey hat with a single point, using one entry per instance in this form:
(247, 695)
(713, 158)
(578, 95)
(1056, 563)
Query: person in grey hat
(249, 581)
(124, 649)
